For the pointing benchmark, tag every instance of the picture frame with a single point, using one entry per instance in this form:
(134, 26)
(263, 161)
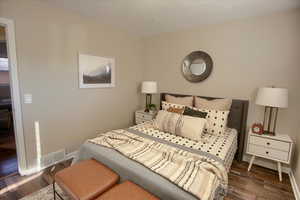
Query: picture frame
(96, 71)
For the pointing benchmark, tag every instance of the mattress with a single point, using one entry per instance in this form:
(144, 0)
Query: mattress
(222, 146)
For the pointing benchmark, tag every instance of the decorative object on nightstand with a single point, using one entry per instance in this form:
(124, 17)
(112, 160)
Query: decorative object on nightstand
(149, 88)
(277, 148)
(152, 108)
(141, 116)
(257, 128)
(272, 98)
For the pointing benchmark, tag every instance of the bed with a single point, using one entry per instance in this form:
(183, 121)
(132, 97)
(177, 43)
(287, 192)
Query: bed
(220, 149)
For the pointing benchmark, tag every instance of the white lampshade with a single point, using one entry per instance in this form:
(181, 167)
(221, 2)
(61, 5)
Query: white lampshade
(149, 87)
(273, 97)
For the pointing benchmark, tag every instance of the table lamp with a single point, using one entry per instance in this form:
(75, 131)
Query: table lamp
(149, 88)
(272, 99)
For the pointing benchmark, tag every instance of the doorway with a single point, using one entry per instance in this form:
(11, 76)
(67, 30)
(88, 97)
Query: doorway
(8, 153)
(14, 112)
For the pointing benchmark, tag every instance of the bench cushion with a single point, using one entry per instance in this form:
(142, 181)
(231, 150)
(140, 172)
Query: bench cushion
(86, 180)
(127, 191)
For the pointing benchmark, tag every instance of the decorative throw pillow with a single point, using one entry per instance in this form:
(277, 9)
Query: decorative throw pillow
(176, 110)
(165, 105)
(194, 113)
(216, 121)
(167, 121)
(191, 127)
(182, 125)
(187, 101)
(216, 104)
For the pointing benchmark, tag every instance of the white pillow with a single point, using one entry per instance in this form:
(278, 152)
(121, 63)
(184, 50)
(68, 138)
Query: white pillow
(216, 121)
(191, 127)
(182, 125)
(167, 121)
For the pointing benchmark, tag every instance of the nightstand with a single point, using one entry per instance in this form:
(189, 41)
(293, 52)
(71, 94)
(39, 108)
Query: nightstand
(277, 148)
(141, 116)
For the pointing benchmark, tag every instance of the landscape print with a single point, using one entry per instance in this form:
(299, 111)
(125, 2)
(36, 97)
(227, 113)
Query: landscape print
(95, 71)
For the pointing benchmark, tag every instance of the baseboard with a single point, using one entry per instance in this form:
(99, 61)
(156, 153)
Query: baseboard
(71, 155)
(267, 164)
(38, 169)
(294, 185)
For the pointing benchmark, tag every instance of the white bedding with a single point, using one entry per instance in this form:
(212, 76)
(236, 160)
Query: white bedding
(222, 146)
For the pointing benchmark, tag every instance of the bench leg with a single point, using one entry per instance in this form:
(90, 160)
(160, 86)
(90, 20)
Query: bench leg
(56, 193)
(53, 185)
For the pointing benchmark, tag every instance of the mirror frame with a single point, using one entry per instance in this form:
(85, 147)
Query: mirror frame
(188, 60)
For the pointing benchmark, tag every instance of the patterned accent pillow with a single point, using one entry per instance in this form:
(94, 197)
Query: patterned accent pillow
(176, 110)
(216, 104)
(216, 121)
(167, 121)
(187, 101)
(194, 113)
(182, 125)
(165, 105)
(191, 127)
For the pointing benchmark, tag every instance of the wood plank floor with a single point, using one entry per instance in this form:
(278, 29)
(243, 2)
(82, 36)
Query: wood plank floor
(8, 162)
(8, 154)
(259, 184)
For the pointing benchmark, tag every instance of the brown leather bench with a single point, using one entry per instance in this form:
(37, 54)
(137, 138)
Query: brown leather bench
(85, 180)
(126, 191)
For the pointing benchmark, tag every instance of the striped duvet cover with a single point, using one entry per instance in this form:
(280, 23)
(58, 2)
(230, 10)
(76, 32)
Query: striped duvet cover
(200, 175)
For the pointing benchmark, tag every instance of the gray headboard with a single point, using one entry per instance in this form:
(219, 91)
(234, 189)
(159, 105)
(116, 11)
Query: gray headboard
(237, 119)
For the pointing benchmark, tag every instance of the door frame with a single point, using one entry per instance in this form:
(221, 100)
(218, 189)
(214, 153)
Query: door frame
(15, 94)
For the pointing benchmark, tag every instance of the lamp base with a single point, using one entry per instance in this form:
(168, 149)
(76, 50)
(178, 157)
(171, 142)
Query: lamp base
(148, 101)
(270, 120)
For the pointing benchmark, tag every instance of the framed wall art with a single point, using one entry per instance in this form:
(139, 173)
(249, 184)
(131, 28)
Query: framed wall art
(96, 72)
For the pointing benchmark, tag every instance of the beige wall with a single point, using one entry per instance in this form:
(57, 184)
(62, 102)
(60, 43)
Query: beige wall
(247, 54)
(48, 41)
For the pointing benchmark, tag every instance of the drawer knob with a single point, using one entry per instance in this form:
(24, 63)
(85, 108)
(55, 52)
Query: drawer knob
(268, 143)
(267, 152)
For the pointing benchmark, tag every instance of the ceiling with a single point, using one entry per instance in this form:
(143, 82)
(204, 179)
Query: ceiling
(149, 17)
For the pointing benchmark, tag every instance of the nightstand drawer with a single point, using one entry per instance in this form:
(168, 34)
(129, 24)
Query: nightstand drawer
(139, 120)
(144, 116)
(141, 116)
(268, 152)
(269, 143)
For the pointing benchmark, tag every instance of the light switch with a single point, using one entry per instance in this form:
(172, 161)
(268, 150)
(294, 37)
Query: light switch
(28, 98)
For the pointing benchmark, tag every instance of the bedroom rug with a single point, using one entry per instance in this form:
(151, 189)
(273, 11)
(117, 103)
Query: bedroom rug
(45, 194)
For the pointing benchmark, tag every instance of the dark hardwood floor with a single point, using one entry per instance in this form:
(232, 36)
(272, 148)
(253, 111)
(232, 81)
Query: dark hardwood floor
(259, 184)
(8, 154)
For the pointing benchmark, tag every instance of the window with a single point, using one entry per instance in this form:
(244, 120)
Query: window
(3, 64)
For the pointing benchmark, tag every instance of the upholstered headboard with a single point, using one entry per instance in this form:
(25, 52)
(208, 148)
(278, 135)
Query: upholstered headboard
(237, 119)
